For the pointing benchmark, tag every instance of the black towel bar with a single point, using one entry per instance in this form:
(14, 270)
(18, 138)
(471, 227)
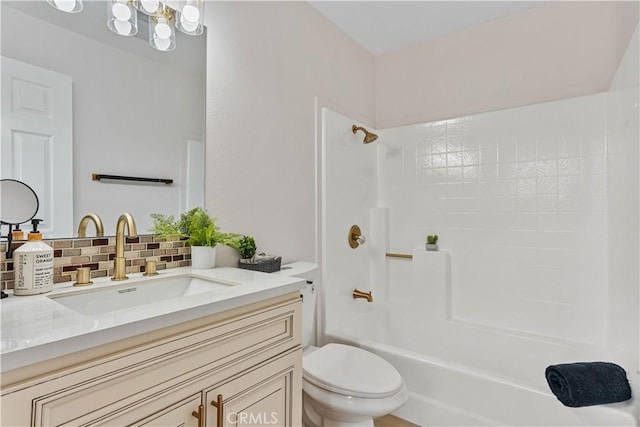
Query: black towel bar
(132, 179)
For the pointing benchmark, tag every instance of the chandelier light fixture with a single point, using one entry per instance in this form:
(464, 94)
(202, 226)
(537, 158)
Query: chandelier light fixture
(69, 6)
(189, 18)
(122, 18)
(162, 30)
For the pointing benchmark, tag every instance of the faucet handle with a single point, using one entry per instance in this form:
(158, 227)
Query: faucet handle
(150, 268)
(83, 276)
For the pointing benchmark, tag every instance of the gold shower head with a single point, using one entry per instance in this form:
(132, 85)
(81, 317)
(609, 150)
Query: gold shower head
(368, 136)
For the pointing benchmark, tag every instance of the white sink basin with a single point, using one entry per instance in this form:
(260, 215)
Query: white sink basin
(127, 295)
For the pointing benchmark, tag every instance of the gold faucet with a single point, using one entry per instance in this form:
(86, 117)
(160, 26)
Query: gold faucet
(119, 268)
(365, 295)
(82, 228)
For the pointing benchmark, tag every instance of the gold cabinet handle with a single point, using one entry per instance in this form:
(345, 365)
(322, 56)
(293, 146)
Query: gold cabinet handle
(219, 406)
(199, 415)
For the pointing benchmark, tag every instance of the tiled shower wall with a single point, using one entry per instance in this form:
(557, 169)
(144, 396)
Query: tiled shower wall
(98, 254)
(518, 198)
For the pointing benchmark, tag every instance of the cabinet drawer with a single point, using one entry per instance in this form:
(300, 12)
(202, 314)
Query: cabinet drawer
(96, 391)
(180, 413)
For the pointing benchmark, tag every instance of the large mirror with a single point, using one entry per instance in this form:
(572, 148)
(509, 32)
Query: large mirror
(78, 100)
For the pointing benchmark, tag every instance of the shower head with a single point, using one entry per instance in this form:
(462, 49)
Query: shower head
(368, 136)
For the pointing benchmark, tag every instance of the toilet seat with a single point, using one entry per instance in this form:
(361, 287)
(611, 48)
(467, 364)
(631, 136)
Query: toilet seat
(351, 371)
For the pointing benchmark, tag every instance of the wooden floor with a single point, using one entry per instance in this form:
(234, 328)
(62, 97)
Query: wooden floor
(391, 421)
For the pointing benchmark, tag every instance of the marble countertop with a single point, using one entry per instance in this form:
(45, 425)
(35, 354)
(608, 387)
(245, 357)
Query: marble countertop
(36, 328)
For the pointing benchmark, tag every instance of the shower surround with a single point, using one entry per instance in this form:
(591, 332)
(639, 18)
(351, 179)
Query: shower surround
(537, 212)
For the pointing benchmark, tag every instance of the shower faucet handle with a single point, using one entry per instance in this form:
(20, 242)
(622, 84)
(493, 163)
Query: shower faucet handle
(355, 237)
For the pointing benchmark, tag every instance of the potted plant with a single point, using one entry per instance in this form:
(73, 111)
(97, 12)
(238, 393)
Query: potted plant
(247, 247)
(165, 227)
(432, 243)
(203, 236)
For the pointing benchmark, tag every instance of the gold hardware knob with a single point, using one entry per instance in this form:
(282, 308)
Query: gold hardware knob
(83, 276)
(199, 415)
(365, 295)
(219, 405)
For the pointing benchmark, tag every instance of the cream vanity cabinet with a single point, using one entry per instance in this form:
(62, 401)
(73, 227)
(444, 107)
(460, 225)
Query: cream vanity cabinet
(239, 367)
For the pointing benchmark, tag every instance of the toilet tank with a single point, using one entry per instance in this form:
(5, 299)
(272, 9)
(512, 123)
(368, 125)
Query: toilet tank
(309, 272)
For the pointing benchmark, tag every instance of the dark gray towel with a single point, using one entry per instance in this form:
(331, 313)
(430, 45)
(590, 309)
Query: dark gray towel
(588, 383)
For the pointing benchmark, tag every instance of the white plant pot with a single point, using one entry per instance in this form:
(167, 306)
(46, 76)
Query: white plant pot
(431, 246)
(203, 257)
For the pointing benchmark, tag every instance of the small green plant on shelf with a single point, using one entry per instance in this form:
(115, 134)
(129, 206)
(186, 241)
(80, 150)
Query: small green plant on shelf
(432, 243)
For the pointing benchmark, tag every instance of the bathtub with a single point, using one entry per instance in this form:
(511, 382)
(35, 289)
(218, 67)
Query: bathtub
(453, 385)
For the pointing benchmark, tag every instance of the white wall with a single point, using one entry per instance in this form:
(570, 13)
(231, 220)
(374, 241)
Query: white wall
(554, 51)
(267, 61)
(115, 129)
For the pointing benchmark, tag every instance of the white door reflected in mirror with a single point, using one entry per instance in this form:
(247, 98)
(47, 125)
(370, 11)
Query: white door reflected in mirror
(37, 139)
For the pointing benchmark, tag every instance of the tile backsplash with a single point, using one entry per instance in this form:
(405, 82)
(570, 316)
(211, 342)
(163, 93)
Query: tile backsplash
(98, 253)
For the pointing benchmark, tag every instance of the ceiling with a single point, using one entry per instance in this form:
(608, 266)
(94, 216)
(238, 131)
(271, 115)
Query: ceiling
(385, 26)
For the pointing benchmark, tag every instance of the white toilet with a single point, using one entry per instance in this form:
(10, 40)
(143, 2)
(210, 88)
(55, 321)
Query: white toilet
(342, 386)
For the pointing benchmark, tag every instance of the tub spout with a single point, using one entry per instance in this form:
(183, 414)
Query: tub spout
(365, 295)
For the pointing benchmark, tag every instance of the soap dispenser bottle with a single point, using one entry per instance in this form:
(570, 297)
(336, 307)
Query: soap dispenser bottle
(33, 265)
(17, 233)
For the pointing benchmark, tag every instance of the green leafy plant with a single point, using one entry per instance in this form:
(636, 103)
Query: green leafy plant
(200, 227)
(432, 240)
(165, 226)
(247, 247)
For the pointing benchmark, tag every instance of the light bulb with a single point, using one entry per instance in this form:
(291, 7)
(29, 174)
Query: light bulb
(122, 27)
(191, 13)
(163, 30)
(162, 44)
(65, 5)
(121, 11)
(188, 25)
(150, 6)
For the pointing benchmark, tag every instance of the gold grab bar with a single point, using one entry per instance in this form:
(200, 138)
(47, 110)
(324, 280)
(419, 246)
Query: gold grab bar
(392, 255)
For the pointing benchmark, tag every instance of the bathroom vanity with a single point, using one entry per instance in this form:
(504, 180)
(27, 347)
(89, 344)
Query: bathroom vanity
(211, 356)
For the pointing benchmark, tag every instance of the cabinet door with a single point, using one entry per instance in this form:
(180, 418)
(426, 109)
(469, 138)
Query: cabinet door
(269, 395)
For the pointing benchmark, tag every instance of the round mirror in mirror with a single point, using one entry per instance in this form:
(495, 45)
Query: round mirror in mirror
(18, 202)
